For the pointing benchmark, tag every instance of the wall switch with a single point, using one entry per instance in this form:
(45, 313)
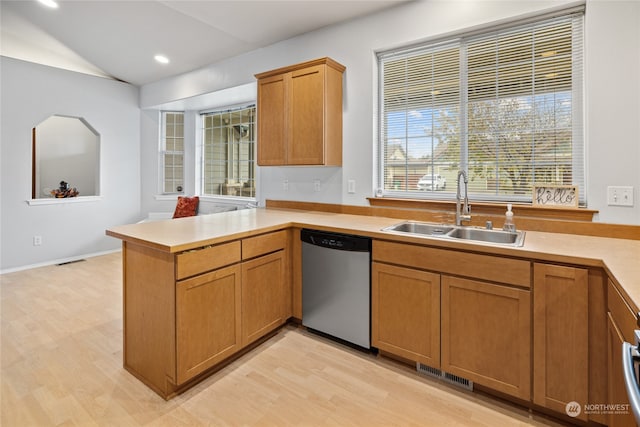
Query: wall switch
(285, 185)
(620, 196)
(351, 186)
(316, 185)
(37, 240)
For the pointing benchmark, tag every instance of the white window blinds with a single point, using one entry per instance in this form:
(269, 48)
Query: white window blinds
(172, 152)
(504, 105)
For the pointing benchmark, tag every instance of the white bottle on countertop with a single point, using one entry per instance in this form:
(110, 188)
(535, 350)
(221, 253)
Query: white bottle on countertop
(508, 220)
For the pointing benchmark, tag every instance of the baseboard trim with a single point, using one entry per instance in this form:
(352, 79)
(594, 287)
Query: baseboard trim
(57, 261)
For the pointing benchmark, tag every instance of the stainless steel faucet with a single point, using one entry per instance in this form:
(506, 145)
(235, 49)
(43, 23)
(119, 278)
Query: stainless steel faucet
(463, 212)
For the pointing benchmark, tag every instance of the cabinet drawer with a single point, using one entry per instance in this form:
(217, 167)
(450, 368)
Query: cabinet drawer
(205, 259)
(624, 317)
(486, 267)
(264, 244)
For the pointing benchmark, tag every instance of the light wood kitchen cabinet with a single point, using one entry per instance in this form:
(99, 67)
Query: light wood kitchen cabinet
(486, 334)
(560, 337)
(266, 290)
(207, 320)
(264, 296)
(621, 323)
(405, 313)
(476, 341)
(491, 268)
(187, 312)
(300, 114)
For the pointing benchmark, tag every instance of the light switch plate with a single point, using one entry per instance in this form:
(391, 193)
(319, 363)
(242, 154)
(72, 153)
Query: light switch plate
(351, 186)
(619, 196)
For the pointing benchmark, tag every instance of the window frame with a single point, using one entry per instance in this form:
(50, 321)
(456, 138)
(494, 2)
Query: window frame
(163, 153)
(461, 39)
(202, 158)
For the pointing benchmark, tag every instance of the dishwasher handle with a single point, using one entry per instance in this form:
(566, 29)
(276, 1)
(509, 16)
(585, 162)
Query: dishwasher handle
(338, 241)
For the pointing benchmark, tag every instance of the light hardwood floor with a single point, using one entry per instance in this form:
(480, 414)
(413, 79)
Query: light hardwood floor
(62, 366)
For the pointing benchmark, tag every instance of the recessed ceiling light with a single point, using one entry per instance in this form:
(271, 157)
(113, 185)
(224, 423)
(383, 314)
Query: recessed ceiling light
(49, 3)
(161, 59)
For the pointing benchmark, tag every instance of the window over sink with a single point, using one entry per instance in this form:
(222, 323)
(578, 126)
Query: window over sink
(504, 104)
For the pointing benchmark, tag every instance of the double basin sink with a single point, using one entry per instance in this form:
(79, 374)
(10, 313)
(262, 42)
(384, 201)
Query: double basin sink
(452, 232)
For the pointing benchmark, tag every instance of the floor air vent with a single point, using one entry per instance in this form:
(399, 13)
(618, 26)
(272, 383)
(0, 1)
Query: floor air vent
(428, 370)
(445, 376)
(459, 381)
(70, 262)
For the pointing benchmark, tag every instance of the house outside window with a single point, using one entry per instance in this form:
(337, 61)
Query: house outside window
(228, 156)
(172, 152)
(504, 105)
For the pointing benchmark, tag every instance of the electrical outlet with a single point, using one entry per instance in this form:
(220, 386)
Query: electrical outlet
(351, 186)
(37, 240)
(620, 196)
(285, 185)
(316, 185)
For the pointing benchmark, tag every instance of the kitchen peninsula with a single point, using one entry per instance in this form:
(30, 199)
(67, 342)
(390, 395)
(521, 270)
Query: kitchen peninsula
(199, 291)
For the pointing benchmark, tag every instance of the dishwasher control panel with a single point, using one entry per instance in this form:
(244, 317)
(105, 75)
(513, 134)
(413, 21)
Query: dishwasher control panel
(344, 242)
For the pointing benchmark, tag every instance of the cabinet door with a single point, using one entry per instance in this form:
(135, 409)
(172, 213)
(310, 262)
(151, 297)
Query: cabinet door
(272, 119)
(486, 334)
(306, 117)
(207, 321)
(560, 337)
(264, 296)
(405, 313)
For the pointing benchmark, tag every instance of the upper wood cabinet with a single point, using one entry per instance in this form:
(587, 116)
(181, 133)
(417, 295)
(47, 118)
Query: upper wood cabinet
(300, 114)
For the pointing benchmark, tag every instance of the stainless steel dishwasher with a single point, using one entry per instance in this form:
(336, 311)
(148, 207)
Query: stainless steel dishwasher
(336, 285)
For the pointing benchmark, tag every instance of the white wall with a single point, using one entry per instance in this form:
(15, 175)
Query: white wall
(613, 105)
(612, 110)
(30, 94)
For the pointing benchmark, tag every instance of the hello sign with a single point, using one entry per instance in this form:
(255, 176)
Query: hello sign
(556, 196)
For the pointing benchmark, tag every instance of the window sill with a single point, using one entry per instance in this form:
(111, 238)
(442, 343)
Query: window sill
(63, 201)
(523, 209)
(167, 196)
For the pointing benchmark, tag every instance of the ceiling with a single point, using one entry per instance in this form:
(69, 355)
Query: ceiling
(119, 39)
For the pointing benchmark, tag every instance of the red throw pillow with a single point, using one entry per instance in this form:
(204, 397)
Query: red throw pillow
(187, 206)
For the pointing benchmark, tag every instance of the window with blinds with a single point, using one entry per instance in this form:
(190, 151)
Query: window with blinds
(503, 105)
(228, 155)
(172, 152)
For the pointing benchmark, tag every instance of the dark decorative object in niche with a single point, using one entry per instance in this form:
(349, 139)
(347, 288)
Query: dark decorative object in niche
(64, 191)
